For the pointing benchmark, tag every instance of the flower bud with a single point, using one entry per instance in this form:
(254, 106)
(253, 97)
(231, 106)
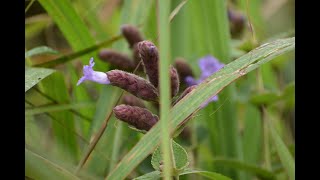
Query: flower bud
(132, 101)
(132, 34)
(150, 57)
(117, 59)
(175, 83)
(140, 118)
(183, 68)
(134, 84)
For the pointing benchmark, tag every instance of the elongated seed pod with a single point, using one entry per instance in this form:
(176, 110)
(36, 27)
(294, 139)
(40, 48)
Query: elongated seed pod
(140, 118)
(134, 84)
(184, 93)
(150, 57)
(117, 59)
(132, 101)
(183, 68)
(131, 34)
(175, 83)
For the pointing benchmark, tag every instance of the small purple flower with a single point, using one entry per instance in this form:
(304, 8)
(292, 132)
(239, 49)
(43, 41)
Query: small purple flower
(91, 75)
(208, 65)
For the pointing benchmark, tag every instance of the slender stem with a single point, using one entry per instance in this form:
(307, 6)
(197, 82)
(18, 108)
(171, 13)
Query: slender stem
(266, 148)
(29, 5)
(163, 12)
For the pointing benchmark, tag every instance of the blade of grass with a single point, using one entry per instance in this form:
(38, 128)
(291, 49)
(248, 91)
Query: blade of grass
(34, 75)
(55, 87)
(40, 50)
(58, 107)
(165, 117)
(283, 152)
(193, 100)
(37, 167)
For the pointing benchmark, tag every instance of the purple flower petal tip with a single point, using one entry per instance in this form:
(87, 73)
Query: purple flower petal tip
(190, 81)
(91, 75)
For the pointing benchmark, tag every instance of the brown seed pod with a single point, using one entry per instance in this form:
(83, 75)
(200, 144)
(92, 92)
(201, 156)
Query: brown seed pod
(150, 57)
(140, 118)
(175, 83)
(183, 68)
(184, 93)
(134, 84)
(131, 34)
(117, 59)
(132, 101)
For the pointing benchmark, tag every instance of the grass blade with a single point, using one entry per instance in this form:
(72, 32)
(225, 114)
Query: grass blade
(38, 167)
(34, 75)
(40, 50)
(283, 152)
(210, 175)
(193, 100)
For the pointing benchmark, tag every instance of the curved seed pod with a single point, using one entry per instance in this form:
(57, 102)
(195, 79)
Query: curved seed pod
(117, 59)
(132, 34)
(184, 93)
(132, 101)
(183, 68)
(175, 83)
(134, 84)
(150, 57)
(140, 118)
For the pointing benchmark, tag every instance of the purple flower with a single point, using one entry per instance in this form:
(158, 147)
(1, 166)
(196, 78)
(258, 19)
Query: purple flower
(91, 75)
(208, 65)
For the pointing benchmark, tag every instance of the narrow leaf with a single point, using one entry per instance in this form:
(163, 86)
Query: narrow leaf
(40, 50)
(34, 75)
(208, 174)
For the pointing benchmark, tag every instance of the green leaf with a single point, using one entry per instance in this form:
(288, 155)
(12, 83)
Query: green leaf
(208, 174)
(179, 153)
(288, 95)
(34, 75)
(176, 10)
(283, 152)
(193, 100)
(256, 170)
(40, 50)
(37, 167)
(149, 176)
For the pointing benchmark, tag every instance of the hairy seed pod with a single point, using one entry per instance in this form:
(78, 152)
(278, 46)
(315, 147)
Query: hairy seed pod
(132, 34)
(132, 101)
(140, 118)
(183, 68)
(175, 83)
(150, 57)
(134, 84)
(117, 59)
(184, 93)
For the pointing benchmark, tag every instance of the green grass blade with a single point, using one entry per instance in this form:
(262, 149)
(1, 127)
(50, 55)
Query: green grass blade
(59, 107)
(34, 75)
(37, 167)
(55, 87)
(283, 152)
(193, 100)
(251, 168)
(78, 36)
(164, 56)
(208, 174)
(40, 50)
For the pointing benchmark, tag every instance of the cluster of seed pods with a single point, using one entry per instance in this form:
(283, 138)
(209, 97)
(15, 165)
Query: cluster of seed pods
(145, 59)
